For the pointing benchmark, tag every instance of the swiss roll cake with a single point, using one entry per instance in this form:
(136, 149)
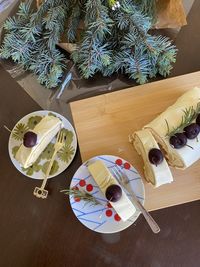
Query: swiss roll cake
(44, 132)
(104, 178)
(176, 130)
(156, 169)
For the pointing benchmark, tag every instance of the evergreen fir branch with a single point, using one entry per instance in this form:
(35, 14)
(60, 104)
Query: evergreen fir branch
(93, 55)
(73, 21)
(33, 44)
(154, 54)
(15, 47)
(11, 24)
(129, 17)
(113, 41)
(30, 33)
(97, 19)
(54, 24)
(48, 66)
(148, 7)
(24, 11)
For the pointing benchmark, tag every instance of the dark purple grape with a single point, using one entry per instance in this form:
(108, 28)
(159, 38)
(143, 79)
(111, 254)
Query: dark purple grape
(192, 130)
(178, 140)
(113, 193)
(30, 139)
(198, 120)
(155, 156)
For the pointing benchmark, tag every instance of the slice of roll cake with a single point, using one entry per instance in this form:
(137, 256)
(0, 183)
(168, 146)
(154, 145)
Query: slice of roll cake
(177, 131)
(156, 169)
(104, 178)
(43, 132)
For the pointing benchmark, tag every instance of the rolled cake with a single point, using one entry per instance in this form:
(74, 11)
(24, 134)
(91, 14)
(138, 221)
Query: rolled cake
(159, 174)
(103, 177)
(171, 119)
(45, 130)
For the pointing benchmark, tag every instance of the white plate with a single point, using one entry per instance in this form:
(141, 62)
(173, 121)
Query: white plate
(101, 218)
(64, 156)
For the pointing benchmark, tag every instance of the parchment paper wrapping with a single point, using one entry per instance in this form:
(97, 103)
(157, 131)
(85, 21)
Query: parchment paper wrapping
(170, 14)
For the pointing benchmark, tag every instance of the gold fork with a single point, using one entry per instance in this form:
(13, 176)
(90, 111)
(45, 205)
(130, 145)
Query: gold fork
(40, 192)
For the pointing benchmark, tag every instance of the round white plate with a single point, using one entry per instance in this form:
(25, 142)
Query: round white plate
(103, 218)
(63, 158)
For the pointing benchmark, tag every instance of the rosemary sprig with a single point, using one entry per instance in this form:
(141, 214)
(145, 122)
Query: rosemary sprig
(189, 114)
(7, 128)
(82, 195)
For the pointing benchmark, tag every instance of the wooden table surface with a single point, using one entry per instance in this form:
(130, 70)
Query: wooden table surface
(45, 233)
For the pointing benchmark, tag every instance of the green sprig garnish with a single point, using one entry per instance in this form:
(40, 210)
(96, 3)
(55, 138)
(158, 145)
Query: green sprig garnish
(189, 114)
(82, 195)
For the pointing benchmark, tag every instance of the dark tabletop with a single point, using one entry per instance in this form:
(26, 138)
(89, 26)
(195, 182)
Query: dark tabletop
(39, 233)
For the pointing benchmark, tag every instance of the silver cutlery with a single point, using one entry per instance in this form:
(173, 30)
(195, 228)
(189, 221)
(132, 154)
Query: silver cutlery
(124, 182)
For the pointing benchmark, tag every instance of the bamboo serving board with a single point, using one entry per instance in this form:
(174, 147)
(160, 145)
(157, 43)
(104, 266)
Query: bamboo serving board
(104, 122)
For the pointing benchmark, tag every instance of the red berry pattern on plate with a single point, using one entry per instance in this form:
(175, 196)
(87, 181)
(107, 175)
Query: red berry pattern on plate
(82, 183)
(118, 162)
(89, 187)
(117, 217)
(109, 213)
(127, 166)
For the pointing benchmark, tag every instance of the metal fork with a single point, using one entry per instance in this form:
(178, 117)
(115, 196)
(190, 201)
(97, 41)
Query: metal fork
(40, 192)
(123, 181)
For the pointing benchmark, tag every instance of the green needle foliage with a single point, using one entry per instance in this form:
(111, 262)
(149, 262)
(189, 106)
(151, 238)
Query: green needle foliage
(115, 38)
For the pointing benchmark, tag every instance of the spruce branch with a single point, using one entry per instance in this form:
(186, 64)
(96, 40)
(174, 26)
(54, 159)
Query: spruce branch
(92, 55)
(32, 43)
(142, 55)
(73, 21)
(115, 39)
(148, 7)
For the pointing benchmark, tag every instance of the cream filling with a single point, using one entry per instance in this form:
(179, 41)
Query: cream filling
(173, 158)
(46, 130)
(190, 155)
(157, 175)
(102, 176)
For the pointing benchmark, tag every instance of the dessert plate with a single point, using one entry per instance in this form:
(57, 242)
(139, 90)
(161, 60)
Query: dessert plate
(102, 218)
(64, 156)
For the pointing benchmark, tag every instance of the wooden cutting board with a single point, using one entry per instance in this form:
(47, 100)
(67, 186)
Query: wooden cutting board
(104, 122)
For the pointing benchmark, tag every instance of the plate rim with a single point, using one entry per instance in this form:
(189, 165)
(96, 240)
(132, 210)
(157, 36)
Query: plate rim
(37, 112)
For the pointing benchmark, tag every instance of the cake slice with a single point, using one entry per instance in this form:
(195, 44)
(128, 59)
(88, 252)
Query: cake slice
(156, 172)
(170, 121)
(45, 131)
(102, 176)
